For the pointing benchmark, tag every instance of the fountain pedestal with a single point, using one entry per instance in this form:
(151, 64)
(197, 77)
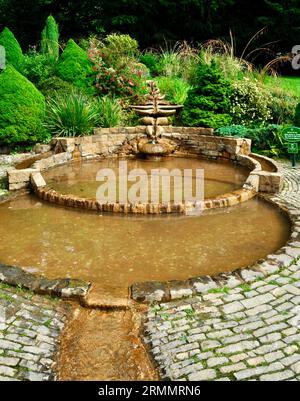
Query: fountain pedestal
(156, 114)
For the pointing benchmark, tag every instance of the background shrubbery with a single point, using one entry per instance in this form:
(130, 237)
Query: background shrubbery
(92, 83)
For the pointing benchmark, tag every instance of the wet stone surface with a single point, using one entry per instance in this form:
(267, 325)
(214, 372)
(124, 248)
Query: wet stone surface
(249, 331)
(30, 326)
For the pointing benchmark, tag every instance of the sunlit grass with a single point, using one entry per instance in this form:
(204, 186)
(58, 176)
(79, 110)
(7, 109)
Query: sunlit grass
(291, 84)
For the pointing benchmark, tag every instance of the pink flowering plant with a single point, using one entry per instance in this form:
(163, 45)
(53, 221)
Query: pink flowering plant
(115, 78)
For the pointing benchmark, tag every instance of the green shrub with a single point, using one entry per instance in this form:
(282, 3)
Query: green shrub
(120, 45)
(282, 105)
(109, 112)
(22, 109)
(74, 66)
(151, 61)
(250, 103)
(117, 74)
(50, 38)
(13, 51)
(297, 116)
(37, 67)
(208, 104)
(55, 86)
(266, 140)
(175, 89)
(71, 115)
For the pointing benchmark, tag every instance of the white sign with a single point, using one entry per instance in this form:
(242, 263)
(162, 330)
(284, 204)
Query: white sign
(2, 58)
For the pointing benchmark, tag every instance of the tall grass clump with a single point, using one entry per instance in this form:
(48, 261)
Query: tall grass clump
(175, 89)
(70, 115)
(109, 112)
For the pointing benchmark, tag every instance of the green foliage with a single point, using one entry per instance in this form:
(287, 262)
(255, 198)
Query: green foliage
(74, 66)
(50, 39)
(37, 67)
(181, 61)
(13, 51)
(70, 116)
(297, 116)
(109, 112)
(250, 103)
(208, 104)
(282, 105)
(117, 72)
(54, 86)
(121, 45)
(266, 140)
(151, 61)
(22, 109)
(175, 89)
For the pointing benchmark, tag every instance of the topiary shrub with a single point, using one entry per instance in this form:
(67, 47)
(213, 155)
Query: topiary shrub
(208, 103)
(297, 116)
(22, 109)
(75, 67)
(13, 50)
(50, 37)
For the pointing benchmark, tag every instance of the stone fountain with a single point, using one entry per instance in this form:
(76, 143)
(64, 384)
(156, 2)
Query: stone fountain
(156, 112)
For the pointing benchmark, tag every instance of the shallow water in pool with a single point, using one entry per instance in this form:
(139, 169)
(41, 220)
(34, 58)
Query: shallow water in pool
(114, 250)
(79, 178)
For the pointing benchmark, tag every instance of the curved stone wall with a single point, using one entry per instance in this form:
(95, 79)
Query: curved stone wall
(114, 142)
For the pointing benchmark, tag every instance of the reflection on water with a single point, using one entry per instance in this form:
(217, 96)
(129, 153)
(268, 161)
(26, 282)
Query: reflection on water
(114, 250)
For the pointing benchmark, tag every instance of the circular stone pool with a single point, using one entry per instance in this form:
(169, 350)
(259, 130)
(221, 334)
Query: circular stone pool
(79, 178)
(117, 250)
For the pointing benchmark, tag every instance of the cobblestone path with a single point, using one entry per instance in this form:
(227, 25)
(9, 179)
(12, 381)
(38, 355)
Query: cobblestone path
(250, 332)
(29, 331)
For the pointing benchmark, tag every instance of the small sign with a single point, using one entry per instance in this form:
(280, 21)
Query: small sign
(2, 58)
(293, 148)
(291, 134)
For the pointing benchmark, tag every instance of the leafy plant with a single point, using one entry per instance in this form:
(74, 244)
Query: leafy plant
(115, 77)
(151, 61)
(50, 39)
(208, 104)
(249, 103)
(74, 66)
(70, 116)
(54, 86)
(297, 116)
(22, 109)
(175, 89)
(37, 67)
(282, 105)
(13, 51)
(109, 112)
(266, 140)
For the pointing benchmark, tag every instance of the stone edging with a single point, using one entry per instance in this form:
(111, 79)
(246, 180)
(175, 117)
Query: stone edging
(167, 291)
(147, 292)
(247, 192)
(65, 288)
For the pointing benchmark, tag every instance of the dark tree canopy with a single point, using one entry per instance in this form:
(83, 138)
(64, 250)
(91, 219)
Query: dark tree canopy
(153, 21)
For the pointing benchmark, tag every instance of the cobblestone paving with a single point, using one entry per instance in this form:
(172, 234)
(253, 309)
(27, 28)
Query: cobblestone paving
(250, 332)
(29, 330)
